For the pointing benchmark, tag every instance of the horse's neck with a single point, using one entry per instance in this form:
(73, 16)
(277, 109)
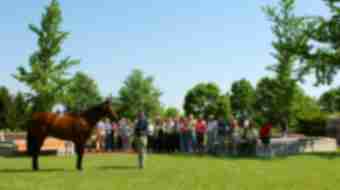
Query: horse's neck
(91, 117)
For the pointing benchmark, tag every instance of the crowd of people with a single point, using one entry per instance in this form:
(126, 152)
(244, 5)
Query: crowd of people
(186, 134)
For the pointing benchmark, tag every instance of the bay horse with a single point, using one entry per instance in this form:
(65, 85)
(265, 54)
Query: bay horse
(69, 126)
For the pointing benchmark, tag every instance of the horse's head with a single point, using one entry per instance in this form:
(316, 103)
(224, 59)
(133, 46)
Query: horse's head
(106, 109)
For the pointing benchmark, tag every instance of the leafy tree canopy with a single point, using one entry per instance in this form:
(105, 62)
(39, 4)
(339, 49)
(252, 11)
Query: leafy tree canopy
(242, 98)
(288, 30)
(330, 100)
(205, 99)
(320, 55)
(46, 77)
(139, 94)
(171, 112)
(14, 110)
(81, 93)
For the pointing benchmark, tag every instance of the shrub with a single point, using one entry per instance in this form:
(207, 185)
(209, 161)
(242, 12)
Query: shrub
(313, 125)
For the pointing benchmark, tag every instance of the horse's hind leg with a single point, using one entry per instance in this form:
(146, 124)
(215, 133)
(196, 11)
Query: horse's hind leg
(80, 153)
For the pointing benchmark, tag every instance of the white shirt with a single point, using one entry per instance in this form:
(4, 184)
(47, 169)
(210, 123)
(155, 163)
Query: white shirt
(212, 125)
(108, 127)
(125, 130)
(151, 129)
(101, 127)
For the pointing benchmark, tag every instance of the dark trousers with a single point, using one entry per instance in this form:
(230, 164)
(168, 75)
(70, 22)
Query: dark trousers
(173, 142)
(184, 141)
(119, 142)
(200, 142)
(167, 142)
(109, 141)
(151, 143)
(187, 140)
(160, 142)
(177, 142)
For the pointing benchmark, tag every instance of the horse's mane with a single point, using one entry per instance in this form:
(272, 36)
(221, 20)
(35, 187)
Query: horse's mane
(91, 109)
(95, 108)
(93, 113)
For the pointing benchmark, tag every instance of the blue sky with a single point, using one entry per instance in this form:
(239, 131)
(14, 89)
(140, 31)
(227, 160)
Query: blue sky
(180, 43)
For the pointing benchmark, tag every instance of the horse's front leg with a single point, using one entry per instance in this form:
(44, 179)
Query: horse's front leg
(80, 153)
(35, 164)
(36, 150)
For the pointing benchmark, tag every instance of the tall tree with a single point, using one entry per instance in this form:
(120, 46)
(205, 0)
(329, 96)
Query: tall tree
(5, 106)
(45, 76)
(139, 94)
(321, 54)
(21, 111)
(82, 92)
(288, 30)
(266, 101)
(268, 106)
(14, 110)
(205, 99)
(242, 98)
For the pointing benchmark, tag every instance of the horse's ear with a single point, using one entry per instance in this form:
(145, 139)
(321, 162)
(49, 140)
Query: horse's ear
(108, 101)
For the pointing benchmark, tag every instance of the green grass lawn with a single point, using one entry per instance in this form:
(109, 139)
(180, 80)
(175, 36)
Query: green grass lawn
(118, 171)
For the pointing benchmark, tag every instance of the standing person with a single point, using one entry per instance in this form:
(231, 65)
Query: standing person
(172, 139)
(251, 136)
(191, 127)
(162, 136)
(108, 135)
(201, 129)
(244, 128)
(177, 141)
(115, 131)
(212, 134)
(235, 137)
(151, 130)
(141, 131)
(265, 135)
(166, 144)
(100, 133)
(184, 135)
(169, 135)
(157, 135)
(284, 128)
(125, 132)
(222, 129)
(2, 136)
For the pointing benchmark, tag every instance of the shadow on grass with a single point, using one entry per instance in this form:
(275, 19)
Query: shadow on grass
(25, 155)
(31, 171)
(117, 167)
(324, 155)
(227, 157)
